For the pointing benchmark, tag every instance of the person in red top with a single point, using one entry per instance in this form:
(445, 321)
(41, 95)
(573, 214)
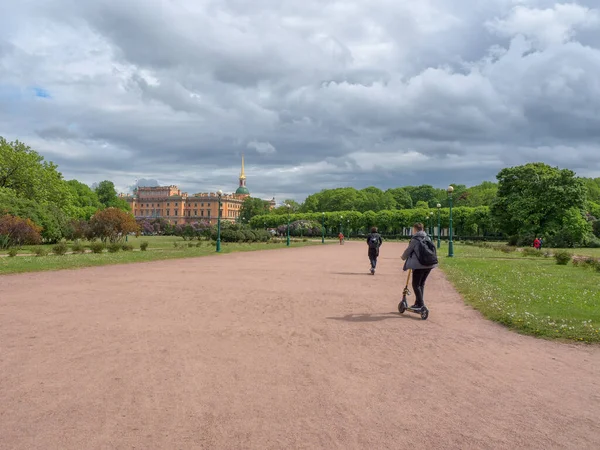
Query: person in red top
(341, 236)
(537, 243)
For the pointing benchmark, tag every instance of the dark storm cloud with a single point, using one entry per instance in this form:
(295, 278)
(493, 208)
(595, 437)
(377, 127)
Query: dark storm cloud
(316, 94)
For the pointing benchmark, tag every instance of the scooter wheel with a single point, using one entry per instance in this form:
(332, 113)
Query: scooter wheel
(401, 307)
(424, 313)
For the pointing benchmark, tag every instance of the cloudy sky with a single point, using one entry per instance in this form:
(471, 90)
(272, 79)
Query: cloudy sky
(316, 93)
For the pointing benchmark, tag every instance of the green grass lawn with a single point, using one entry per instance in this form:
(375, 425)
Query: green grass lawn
(530, 295)
(160, 248)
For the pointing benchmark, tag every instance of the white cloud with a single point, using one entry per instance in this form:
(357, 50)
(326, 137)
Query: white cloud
(264, 148)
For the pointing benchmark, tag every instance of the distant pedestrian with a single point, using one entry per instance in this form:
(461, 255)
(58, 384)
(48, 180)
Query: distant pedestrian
(374, 241)
(341, 236)
(420, 248)
(537, 244)
(541, 243)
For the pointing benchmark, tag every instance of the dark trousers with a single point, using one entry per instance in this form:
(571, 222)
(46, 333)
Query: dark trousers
(373, 255)
(418, 285)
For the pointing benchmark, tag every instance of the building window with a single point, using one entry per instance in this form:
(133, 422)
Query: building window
(168, 212)
(195, 205)
(168, 204)
(175, 212)
(175, 204)
(195, 213)
(202, 205)
(208, 213)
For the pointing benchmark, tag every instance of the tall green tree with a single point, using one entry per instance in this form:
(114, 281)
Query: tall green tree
(402, 198)
(536, 199)
(107, 195)
(25, 172)
(253, 207)
(424, 193)
(85, 200)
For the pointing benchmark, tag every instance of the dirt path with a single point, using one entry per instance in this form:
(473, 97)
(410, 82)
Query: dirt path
(294, 349)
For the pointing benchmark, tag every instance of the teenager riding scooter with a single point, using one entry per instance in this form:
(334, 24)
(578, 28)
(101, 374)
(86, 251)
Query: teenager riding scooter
(420, 257)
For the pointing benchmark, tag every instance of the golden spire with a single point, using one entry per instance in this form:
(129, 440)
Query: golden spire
(242, 174)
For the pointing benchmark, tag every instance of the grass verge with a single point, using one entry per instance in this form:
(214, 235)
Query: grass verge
(533, 296)
(33, 263)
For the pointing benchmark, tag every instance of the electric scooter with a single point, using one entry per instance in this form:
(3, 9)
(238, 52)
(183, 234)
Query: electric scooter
(403, 305)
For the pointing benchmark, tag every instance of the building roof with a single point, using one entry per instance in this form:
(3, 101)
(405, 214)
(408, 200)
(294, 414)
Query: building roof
(242, 190)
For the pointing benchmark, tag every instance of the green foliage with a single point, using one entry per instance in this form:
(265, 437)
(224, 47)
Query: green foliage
(107, 196)
(401, 197)
(253, 207)
(60, 249)
(144, 246)
(78, 247)
(29, 176)
(127, 247)
(40, 251)
(536, 199)
(562, 257)
(16, 231)
(592, 186)
(12, 252)
(113, 247)
(483, 194)
(97, 247)
(53, 221)
(85, 200)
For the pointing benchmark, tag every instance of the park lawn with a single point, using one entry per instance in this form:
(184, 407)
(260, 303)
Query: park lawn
(20, 264)
(533, 296)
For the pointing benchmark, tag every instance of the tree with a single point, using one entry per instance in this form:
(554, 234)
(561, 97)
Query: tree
(107, 195)
(534, 199)
(25, 172)
(483, 194)
(593, 189)
(402, 198)
(85, 200)
(112, 224)
(253, 207)
(16, 231)
(424, 193)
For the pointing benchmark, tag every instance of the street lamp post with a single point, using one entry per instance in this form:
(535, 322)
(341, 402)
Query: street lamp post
(341, 225)
(323, 228)
(431, 224)
(450, 243)
(219, 194)
(288, 224)
(348, 227)
(439, 229)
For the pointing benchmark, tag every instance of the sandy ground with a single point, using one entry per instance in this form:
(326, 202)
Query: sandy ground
(284, 349)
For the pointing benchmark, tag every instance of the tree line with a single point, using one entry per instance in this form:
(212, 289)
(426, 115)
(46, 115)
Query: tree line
(34, 191)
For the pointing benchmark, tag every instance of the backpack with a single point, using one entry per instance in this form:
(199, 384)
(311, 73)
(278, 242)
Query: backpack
(374, 241)
(425, 252)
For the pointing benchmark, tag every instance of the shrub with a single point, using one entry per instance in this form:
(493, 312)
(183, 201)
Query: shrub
(78, 247)
(144, 246)
(112, 225)
(593, 243)
(176, 244)
(532, 252)
(113, 247)
(97, 247)
(60, 249)
(127, 247)
(12, 252)
(508, 249)
(40, 251)
(191, 244)
(15, 231)
(199, 244)
(562, 257)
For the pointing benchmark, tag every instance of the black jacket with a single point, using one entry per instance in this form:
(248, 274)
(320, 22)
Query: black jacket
(378, 236)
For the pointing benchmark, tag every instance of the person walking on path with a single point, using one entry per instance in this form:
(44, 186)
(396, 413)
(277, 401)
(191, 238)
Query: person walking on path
(341, 236)
(537, 244)
(374, 241)
(420, 256)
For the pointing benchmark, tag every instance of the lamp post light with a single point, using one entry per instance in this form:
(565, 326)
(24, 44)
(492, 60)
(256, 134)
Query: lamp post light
(288, 224)
(322, 228)
(439, 229)
(450, 190)
(341, 225)
(219, 194)
(348, 227)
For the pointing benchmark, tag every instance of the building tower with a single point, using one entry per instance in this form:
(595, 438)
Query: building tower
(242, 190)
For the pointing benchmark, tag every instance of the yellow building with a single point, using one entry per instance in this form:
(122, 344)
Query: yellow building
(168, 202)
